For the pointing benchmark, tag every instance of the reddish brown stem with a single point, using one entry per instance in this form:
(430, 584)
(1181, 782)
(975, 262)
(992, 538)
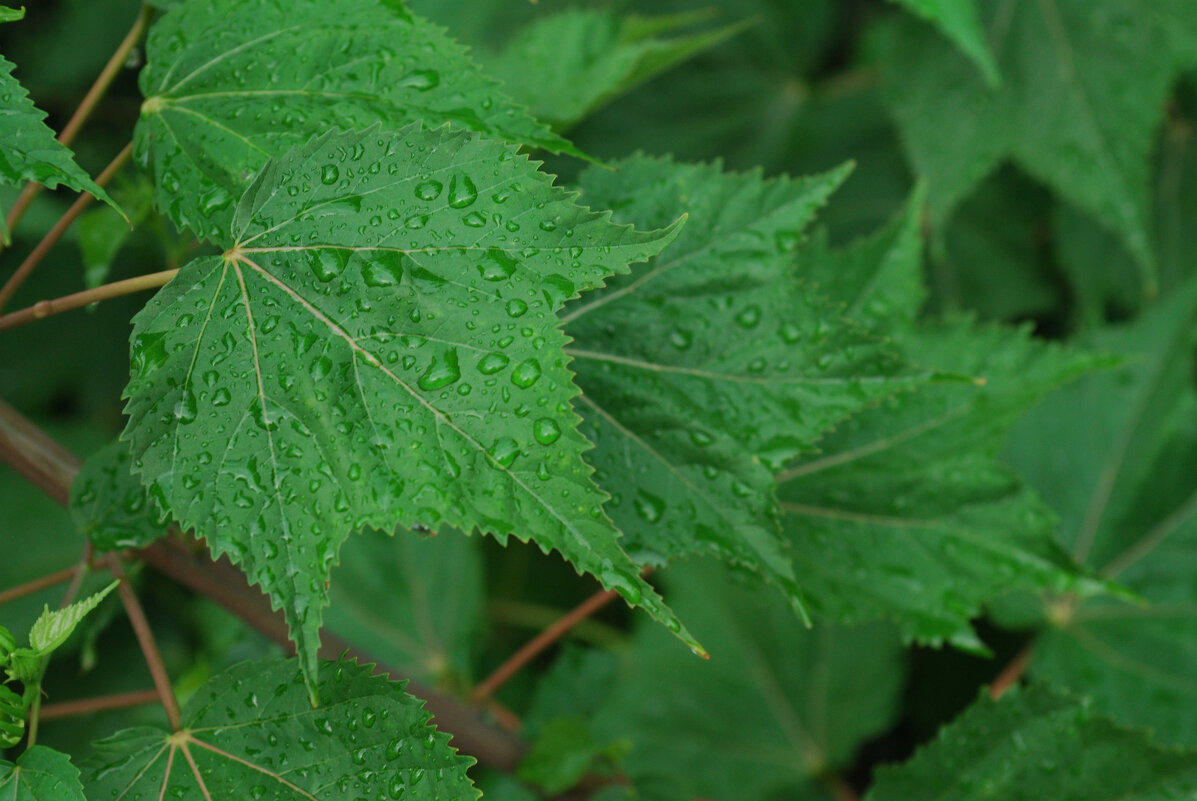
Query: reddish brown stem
(149, 648)
(86, 106)
(30, 587)
(86, 706)
(81, 570)
(50, 467)
(77, 300)
(538, 644)
(1012, 673)
(54, 234)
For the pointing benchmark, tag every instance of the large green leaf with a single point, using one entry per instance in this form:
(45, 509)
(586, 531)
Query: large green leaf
(231, 83)
(413, 603)
(28, 149)
(960, 21)
(712, 365)
(40, 774)
(1033, 745)
(776, 706)
(1086, 78)
(251, 733)
(565, 65)
(906, 513)
(380, 347)
(1122, 474)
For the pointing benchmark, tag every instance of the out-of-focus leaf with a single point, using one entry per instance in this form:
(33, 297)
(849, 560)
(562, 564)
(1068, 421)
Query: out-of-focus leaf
(566, 65)
(960, 22)
(330, 371)
(11, 14)
(776, 705)
(565, 751)
(1116, 457)
(110, 506)
(1035, 744)
(1083, 88)
(413, 603)
(712, 364)
(251, 732)
(303, 67)
(102, 231)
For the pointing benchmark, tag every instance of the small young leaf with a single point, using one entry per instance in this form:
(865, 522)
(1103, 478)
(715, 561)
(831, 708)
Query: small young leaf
(332, 370)
(11, 14)
(303, 67)
(28, 149)
(251, 733)
(40, 774)
(1035, 744)
(53, 628)
(110, 506)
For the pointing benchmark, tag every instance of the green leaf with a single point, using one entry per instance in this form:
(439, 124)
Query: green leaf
(251, 733)
(563, 753)
(1120, 474)
(908, 515)
(1035, 744)
(1088, 77)
(40, 774)
(566, 65)
(102, 232)
(28, 149)
(960, 22)
(110, 506)
(11, 14)
(329, 371)
(303, 67)
(776, 705)
(53, 628)
(699, 380)
(413, 603)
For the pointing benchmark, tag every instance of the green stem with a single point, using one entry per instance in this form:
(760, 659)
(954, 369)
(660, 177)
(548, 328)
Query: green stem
(47, 308)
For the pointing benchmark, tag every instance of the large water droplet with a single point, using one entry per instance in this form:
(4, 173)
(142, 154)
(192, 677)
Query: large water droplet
(186, 409)
(546, 431)
(648, 506)
(328, 264)
(492, 363)
(429, 190)
(504, 451)
(462, 192)
(497, 266)
(443, 371)
(526, 373)
(329, 174)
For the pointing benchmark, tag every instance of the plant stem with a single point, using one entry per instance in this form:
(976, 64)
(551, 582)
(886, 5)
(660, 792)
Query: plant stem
(539, 643)
(85, 706)
(149, 648)
(87, 105)
(30, 587)
(52, 468)
(1012, 673)
(81, 571)
(54, 234)
(77, 300)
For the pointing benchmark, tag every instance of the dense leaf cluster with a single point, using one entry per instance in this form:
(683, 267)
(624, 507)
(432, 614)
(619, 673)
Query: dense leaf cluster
(451, 272)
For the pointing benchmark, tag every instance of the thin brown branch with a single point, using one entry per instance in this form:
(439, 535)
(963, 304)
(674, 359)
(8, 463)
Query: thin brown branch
(54, 234)
(87, 105)
(47, 308)
(30, 587)
(149, 647)
(1012, 673)
(81, 571)
(102, 703)
(50, 467)
(534, 647)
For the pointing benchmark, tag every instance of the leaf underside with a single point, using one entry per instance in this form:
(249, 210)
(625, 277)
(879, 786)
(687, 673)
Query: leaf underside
(380, 347)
